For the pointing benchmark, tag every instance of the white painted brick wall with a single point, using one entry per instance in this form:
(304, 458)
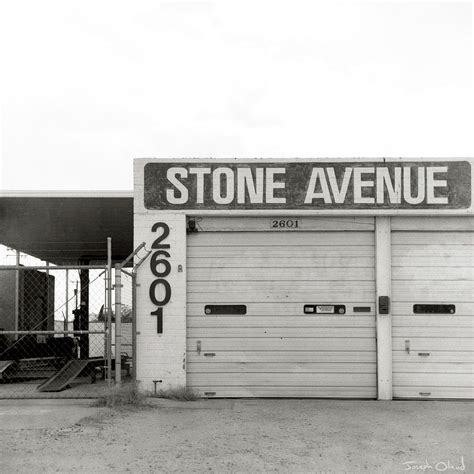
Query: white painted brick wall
(160, 356)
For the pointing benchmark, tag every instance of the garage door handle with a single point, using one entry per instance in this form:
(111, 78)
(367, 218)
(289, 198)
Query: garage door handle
(424, 354)
(209, 354)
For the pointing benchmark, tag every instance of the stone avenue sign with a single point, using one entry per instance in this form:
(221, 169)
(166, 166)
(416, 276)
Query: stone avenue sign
(262, 185)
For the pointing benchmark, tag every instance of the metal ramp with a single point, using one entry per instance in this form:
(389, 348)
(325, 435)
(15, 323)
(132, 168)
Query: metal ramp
(4, 364)
(64, 376)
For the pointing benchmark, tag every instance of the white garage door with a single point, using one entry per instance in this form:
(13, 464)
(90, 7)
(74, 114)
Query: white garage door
(433, 343)
(276, 349)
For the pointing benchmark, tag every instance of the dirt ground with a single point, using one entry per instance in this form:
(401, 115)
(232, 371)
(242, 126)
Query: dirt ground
(221, 436)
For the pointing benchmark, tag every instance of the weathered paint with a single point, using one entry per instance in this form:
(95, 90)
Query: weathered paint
(307, 185)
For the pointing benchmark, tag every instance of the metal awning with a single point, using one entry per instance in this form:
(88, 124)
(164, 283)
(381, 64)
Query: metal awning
(66, 227)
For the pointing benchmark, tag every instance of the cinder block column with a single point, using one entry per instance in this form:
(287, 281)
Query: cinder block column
(383, 275)
(161, 356)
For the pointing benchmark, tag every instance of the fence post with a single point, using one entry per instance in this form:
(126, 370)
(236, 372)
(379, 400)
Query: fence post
(17, 293)
(134, 326)
(109, 311)
(84, 308)
(118, 323)
(66, 319)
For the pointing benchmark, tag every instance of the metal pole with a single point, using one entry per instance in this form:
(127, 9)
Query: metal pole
(84, 278)
(109, 310)
(66, 322)
(134, 326)
(48, 296)
(56, 267)
(75, 296)
(52, 332)
(17, 292)
(118, 324)
(142, 245)
(134, 306)
(105, 313)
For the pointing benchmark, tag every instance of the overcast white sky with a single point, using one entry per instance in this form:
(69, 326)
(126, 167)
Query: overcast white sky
(89, 85)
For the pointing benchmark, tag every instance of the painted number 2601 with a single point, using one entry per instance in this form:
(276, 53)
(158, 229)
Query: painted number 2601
(160, 268)
(285, 223)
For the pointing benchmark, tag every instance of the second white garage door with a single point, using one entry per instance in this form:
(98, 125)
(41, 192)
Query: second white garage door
(260, 320)
(433, 299)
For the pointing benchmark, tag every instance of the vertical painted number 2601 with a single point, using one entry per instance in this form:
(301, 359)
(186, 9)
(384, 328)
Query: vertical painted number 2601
(160, 268)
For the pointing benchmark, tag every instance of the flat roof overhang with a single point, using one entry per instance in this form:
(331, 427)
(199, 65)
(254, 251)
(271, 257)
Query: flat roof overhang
(64, 228)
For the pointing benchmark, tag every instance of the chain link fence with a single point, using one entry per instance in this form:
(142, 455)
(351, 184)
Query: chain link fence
(126, 326)
(54, 332)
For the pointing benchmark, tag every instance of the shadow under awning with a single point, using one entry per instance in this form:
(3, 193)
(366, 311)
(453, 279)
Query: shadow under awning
(63, 228)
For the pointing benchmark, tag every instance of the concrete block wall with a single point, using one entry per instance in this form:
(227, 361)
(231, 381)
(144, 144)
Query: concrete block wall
(160, 356)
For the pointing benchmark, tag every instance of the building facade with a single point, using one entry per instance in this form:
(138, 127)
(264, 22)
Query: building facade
(306, 278)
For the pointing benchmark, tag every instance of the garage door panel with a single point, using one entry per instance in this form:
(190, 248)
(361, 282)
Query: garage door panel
(436, 356)
(282, 321)
(280, 367)
(268, 332)
(434, 251)
(289, 392)
(303, 297)
(432, 344)
(250, 223)
(431, 331)
(426, 379)
(275, 291)
(267, 239)
(285, 261)
(414, 291)
(301, 286)
(418, 288)
(278, 357)
(434, 273)
(427, 238)
(436, 321)
(282, 344)
(282, 379)
(428, 367)
(424, 261)
(287, 309)
(213, 274)
(281, 251)
(429, 223)
(434, 392)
